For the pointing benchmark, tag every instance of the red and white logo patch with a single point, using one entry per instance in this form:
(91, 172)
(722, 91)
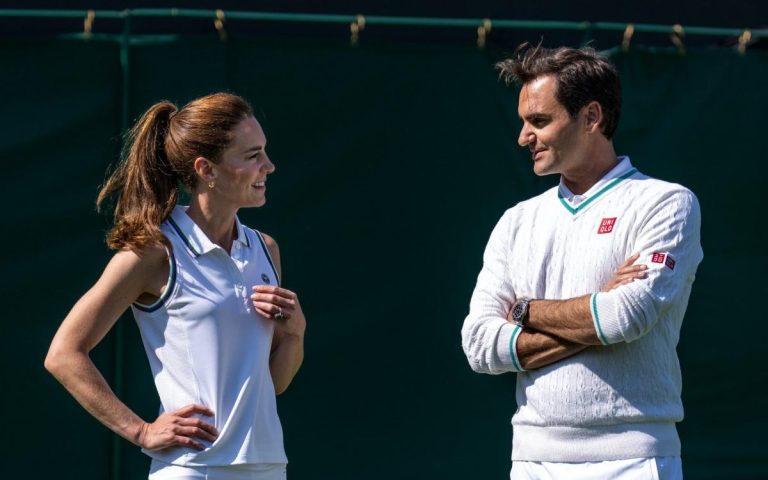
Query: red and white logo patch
(664, 258)
(606, 225)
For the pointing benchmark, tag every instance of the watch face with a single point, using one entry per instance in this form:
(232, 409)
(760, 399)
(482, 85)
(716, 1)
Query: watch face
(518, 311)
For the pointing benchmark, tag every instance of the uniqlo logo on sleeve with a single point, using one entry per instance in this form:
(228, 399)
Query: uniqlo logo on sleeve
(664, 258)
(606, 225)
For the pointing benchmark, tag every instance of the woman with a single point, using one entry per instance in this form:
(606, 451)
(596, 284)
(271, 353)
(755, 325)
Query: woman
(221, 335)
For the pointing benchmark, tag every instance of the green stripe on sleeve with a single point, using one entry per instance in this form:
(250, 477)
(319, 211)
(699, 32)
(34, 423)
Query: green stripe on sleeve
(596, 319)
(513, 350)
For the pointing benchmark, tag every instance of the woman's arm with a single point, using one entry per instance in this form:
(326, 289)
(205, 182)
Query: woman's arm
(288, 341)
(128, 276)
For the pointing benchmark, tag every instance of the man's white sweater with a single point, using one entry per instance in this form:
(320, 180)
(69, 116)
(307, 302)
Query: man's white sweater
(621, 399)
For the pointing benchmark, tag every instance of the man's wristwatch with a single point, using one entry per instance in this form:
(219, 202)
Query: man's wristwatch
(520, 311)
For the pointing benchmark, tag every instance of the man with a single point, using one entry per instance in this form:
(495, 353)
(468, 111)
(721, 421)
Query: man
(592, 339)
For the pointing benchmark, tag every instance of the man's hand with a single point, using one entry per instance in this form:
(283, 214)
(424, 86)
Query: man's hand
(626, 273)
(178, 428)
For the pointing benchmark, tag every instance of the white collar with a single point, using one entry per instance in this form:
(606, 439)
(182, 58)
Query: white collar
(194, 237)
(623, 167)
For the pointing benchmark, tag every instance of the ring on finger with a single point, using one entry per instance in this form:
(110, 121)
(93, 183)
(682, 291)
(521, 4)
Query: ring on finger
(279, 315)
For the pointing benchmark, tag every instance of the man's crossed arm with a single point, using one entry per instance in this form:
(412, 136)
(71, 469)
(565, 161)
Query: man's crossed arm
(557, 329)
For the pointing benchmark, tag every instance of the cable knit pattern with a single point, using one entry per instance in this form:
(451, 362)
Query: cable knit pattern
(610, 402)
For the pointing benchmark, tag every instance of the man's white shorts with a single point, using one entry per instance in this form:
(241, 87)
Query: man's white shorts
(262, 471)
(654, 468)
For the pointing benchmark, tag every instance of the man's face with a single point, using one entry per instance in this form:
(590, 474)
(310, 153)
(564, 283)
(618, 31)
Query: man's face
(556, 142)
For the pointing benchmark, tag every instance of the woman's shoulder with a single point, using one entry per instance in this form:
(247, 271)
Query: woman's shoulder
(267, 240)
(148, 259)
(133, 271)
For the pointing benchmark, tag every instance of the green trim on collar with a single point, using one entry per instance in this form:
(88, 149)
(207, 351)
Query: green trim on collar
(183, 237)
(612, 184)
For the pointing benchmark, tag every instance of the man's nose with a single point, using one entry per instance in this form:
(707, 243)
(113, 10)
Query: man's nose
(526, 137)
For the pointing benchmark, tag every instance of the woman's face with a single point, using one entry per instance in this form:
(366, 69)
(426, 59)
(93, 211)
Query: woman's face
(241, 175)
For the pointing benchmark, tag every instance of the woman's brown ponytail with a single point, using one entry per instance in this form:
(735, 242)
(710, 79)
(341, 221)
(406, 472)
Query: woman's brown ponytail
(159, 154)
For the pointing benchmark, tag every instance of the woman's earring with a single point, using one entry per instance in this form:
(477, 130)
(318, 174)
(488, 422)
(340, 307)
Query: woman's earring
(210, 184)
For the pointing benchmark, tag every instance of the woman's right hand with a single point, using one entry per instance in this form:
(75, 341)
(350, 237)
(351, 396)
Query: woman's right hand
(178, 428)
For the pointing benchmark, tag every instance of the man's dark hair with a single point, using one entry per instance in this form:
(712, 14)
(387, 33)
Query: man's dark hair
(582, 75)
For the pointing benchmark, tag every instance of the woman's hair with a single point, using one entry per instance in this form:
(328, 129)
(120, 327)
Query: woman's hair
(159, 155)
(582, 75)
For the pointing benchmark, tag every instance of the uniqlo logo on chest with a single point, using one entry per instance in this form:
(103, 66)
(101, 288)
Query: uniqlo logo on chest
(667, 260)
(606, 225)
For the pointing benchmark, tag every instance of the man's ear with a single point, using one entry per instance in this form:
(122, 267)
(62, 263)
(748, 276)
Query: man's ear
(593, 116)
(204, 169)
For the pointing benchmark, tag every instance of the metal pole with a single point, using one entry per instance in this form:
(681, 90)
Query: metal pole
(384, 20)
(125, 70)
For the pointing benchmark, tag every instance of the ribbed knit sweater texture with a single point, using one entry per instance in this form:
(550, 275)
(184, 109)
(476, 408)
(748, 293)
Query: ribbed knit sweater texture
(614, 401)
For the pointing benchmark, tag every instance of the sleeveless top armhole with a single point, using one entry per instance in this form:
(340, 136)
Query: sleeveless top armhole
(269, 256)
(169, 286)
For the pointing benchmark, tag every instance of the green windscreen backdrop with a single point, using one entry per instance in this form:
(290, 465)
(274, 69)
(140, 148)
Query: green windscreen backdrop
(393, 164)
